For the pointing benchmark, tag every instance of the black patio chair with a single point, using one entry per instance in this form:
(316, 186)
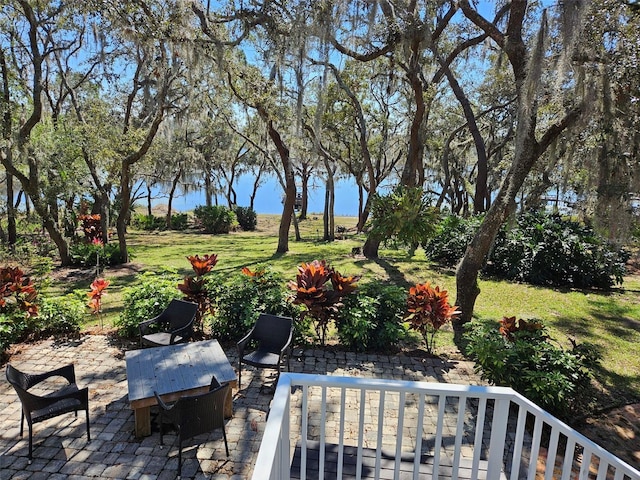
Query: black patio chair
(175, 324)
(194, 415)
(36, 408)
(272, 335)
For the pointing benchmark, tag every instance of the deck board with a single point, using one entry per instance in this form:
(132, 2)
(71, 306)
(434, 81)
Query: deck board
(387, 464)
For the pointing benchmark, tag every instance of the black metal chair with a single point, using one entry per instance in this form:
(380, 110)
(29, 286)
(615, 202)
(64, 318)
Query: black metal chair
(272, 335)
(36, 408)
(175, 324)
(194, 415)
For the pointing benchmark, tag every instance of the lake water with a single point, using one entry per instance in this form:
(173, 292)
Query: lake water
(270, 195)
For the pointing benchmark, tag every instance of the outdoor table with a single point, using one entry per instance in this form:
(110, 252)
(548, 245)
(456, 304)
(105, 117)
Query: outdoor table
(174, 371)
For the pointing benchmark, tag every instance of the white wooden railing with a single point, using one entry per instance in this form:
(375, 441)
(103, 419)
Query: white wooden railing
(458, 431)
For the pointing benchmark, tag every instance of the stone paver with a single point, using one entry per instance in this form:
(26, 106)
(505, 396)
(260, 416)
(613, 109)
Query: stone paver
(61, 449)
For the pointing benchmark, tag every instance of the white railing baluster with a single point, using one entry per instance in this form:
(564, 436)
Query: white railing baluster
(477, 442)
(274, 458)
(569, 453)
(305, 432)
(498, 436)
(586, 464)
(602, 469)
(360, 434)
(535, 448)
(380, 432)
(442, 400)
(517, 442)
(399, 433)
(420, 426)
(457, 450)
(552, 453)
(323, 424)
(343, 407)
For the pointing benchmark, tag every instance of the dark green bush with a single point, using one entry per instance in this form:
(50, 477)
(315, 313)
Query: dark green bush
(148, 222)
(88, 254)
(149, 296)
(214, 219)
(450, 241)
(371, 319)
(240, 298)
(556, 379)
(541, 249)
(179, 221)
(550, 250)
(247, 218)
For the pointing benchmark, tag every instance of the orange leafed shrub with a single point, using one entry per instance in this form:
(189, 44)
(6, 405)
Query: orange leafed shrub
(429, 309)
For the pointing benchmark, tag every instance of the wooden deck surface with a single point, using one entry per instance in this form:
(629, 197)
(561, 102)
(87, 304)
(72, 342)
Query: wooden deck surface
(387, 464)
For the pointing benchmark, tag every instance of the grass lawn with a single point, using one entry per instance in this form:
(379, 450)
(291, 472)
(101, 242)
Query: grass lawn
(610, 320)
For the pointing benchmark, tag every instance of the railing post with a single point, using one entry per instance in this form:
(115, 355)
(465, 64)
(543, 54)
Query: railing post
(498, 437)
(285, 443)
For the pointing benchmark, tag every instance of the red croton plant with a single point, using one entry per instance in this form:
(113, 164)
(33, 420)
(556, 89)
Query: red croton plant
(194, 289)
(98, 287)
(509, 326)
(312, 290)
(429, 309)
(17, 292)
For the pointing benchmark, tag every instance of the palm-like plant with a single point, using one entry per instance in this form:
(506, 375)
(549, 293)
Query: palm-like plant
(312, 290)
(429, 309)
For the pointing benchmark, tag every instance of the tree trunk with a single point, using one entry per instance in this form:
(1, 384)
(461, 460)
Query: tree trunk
(172, 192)
(12, 232)
(304, 187)
(371, 246)
(329, 205)
(149, 213)
(288, 209)
(125, 203)
(413, 166)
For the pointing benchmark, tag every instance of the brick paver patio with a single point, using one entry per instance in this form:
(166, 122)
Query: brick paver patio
(60, 444)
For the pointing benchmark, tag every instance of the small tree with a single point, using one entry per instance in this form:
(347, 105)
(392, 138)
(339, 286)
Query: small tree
(404, 217)
(429, 310)
(312, 291)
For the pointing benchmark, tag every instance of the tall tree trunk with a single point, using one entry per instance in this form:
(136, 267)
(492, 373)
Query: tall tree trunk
(12, 232)
(329, 204)
(288, 209)
(149, 212)
(172, 192)
(304, 187)
(412, 171)
(527, 148)
(125, 203)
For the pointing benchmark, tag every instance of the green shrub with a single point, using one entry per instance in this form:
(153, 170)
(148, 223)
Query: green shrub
(148, 222)
(371, 319)
(149, 296)
(60, 315)
(403, 217)
(526, 360)
(214, 219)
(179, 221)
(88, 254)
(550, 250)
(247, 218)
(451, 238)
(241, 297)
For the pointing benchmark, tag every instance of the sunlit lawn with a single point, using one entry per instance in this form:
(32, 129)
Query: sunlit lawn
(610, 320)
